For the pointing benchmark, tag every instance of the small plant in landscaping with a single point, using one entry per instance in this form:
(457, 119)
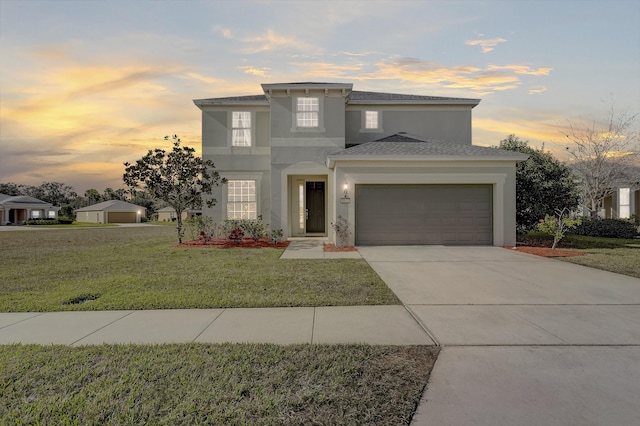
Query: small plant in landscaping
(236, 235)
(558, 226)
(255, 229)
(202, 227)
(276, 236)
(252, 228)
(341, 228)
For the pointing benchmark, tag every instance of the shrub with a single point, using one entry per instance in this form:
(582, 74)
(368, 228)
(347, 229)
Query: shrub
(275, 235)
(609, 228)
(202, 227)
(253, 228)
(341, 227)
(236, 235)
(41, 222)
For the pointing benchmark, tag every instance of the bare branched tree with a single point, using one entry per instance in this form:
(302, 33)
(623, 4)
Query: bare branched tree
(603, 155)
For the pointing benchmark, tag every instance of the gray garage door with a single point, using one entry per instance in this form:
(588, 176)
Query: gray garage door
(121, 217)
(424, 214)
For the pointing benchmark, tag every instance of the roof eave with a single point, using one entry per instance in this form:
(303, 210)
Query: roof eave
(471, 102)
(203, 103)
(332, 159)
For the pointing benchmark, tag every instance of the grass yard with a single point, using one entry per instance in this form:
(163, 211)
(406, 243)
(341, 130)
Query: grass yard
(72, 225)
(139, 268)
(610, 254)
(212, 384)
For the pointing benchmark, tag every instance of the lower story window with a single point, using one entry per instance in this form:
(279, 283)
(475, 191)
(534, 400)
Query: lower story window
(241, 199)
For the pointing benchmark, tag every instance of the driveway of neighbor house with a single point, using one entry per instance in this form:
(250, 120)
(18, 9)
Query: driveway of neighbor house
(526, 340)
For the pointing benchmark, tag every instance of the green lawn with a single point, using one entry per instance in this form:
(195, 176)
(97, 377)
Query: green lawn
(140, 268)
(610, 254)
(617, 255)
(72, 225)
(212, 384)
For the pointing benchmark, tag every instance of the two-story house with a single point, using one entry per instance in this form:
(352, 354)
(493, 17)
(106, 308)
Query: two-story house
(400, 169)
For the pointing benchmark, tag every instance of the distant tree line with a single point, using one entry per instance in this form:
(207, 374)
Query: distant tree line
(65, 197)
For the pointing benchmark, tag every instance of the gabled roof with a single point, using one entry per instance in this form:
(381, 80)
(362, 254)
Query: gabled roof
(112, 206)
(17, 200)
(402, 137)
(400, 147)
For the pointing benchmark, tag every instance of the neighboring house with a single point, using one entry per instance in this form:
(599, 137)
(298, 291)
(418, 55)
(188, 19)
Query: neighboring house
(15, 209)
(400, 169)
(168, 214)
(622, 204)
(112, 211)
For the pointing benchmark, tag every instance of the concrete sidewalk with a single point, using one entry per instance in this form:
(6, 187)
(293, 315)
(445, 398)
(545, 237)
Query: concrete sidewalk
(313, 248)
(378, 325)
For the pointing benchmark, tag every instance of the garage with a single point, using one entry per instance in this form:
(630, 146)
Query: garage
(448, 214)
(122, 217)
(111, 211)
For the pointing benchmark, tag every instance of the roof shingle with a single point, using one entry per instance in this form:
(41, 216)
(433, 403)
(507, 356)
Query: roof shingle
(417, 148)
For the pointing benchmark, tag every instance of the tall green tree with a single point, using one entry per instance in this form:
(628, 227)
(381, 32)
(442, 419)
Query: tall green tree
(177, 177)
(56, 193)
(543, 184)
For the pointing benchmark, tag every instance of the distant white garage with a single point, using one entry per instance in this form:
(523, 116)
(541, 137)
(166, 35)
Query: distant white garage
(112, 211)
(424, 214)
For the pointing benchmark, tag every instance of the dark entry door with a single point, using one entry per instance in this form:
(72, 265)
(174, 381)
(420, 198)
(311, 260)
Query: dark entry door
(315, 207)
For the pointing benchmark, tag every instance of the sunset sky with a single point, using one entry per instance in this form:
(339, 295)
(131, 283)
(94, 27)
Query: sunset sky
(88, 85)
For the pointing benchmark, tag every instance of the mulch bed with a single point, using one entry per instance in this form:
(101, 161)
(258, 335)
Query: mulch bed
(546, 252)
(334, 248)
(225, 243)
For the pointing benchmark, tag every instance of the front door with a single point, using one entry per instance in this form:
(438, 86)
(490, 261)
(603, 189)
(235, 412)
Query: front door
(315, 207)
(308, 205)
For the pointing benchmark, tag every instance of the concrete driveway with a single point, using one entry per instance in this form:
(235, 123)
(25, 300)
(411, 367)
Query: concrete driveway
(526, 340)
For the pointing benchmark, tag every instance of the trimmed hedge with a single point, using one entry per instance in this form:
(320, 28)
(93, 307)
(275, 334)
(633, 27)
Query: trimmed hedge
(609, 228)
(41, 222)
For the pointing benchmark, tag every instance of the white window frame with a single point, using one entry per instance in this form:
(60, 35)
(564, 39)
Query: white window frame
(52, 214)
(250, 214)
(296, 127)
(624, 203)
(248, 132)
(35, 214)
(364, 122)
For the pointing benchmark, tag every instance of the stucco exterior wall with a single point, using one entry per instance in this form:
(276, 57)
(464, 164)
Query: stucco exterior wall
(301, 151)
(447, 124)
(91, 217)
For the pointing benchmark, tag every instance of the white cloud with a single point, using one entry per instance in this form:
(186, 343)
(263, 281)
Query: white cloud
(262, 72)
(486, 45)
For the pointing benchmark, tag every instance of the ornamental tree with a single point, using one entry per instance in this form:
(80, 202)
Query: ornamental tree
(558, 226)
(604, 155)
(177, 177)
(543, 184)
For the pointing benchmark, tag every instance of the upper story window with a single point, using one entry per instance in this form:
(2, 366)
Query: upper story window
(308, 112)
(371, 120)
(240, 128)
